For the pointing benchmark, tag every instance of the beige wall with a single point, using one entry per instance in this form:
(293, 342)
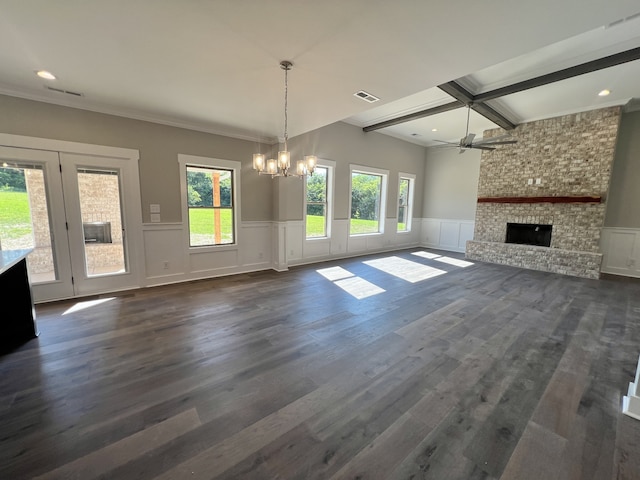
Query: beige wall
(159, 146)
(451, 183)
(347, 144)
(624, 193)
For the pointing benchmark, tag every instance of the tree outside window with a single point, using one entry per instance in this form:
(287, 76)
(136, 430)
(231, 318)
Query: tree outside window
(366, 202)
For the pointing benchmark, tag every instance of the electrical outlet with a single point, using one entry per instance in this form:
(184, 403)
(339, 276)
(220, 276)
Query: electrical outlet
(165, 265)
(530, 181)
(538, 181)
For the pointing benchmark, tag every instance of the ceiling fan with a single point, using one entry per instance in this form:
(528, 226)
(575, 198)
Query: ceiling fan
(467, 143)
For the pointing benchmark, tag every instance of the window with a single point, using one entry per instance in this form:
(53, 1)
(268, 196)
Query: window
(209, 195)
(405, 201)
(317, 203)
(368, 193)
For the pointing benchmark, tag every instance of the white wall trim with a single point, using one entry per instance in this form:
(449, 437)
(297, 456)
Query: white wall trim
(631, 401)
(446, 234)
(167, 264)
(64, 146)
(621, 251)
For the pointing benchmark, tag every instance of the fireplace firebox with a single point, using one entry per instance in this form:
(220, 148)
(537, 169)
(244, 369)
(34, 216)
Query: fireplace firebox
(529, 234)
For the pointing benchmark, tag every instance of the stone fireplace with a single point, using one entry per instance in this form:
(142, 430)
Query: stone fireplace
(557, 175)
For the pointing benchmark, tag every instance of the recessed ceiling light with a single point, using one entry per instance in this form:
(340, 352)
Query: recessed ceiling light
(604, 93)
(434, 129)
(45, 74)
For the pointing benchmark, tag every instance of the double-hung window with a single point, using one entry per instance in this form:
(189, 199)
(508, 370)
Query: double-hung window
(209, 194)
(317, 202)
(368, 195)
(405, 201)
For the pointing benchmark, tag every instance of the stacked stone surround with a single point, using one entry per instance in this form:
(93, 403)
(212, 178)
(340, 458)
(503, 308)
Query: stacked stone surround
(573, 156)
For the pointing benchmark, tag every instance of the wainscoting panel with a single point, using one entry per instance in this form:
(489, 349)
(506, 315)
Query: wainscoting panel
(339, 237)
(446, 234)
(212, 262)
(295, 240)
(163, 252)
(621, 251)
(169, 260)
(318, 247)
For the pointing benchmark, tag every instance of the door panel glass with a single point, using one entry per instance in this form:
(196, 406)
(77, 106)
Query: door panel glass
(101, 211)
(24, 217)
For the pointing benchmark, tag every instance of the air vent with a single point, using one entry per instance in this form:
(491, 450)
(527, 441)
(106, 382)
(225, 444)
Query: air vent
(367, 97)
(623, 20)
(60, 90)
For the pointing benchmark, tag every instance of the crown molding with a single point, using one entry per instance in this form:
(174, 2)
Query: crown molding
(135, 115)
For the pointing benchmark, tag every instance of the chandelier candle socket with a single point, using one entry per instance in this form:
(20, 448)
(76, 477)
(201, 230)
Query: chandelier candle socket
(281, 166)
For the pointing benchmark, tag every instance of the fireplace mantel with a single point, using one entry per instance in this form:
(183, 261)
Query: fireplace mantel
(556, 199)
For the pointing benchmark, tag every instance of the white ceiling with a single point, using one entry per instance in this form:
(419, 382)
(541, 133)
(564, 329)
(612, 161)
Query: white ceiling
(214, 65)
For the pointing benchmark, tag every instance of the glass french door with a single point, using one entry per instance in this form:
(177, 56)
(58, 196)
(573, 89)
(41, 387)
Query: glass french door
(68, 209)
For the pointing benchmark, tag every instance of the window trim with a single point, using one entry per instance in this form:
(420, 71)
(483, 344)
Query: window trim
(209, 162)
(366, 170)
(409, 211)
(330, 165)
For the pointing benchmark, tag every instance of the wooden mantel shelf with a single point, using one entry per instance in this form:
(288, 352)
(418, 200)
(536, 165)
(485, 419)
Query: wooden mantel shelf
(569, 199)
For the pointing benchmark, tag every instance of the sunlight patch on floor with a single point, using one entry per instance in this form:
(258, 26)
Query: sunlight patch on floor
(457, 262)
(88, 304)
(350, 283)
(428, 255)
(334, 273)
(405, 269)
(359, 287)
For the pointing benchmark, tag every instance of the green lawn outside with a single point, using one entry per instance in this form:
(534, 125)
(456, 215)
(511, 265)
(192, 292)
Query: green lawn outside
(315, 226)
(358, 226)
(15, 220)
(201, 227)
(15, 217)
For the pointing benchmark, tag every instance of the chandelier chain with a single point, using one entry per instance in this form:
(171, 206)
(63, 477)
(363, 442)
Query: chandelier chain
(286, 94)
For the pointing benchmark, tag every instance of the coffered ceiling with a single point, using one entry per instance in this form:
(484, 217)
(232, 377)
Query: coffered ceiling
(214, 65)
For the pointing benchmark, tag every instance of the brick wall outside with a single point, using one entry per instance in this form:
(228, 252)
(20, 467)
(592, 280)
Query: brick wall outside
(101, 202)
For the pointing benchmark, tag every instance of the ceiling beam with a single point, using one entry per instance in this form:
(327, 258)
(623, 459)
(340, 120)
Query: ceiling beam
(414, 116)
(497, 118)
(588, 67)
(464, 96)
(477, 102)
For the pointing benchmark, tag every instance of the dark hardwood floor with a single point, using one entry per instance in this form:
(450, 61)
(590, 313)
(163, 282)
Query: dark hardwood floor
(480, 372)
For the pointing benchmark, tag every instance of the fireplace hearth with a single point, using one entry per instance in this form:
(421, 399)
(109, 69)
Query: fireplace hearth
(529, 234)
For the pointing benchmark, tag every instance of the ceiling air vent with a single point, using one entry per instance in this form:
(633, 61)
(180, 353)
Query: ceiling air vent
(60, 90)
(367, 97)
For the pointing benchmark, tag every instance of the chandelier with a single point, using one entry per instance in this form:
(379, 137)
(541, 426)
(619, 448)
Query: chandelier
(281, 167)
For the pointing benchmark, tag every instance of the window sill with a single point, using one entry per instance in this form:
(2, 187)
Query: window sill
(213, 248)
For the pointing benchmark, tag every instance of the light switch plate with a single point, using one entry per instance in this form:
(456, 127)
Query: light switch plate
(155, 217)
(154, 208)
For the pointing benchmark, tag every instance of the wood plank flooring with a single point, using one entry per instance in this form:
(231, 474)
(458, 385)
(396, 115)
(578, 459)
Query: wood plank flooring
(454, 372)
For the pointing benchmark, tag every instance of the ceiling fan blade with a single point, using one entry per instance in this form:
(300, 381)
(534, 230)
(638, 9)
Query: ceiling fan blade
(481, 147)
(443, 141)
(505, 142)
(495, 140)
